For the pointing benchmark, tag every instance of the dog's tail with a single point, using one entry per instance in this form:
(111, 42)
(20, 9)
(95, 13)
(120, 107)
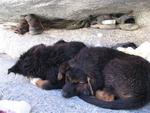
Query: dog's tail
(129, 103)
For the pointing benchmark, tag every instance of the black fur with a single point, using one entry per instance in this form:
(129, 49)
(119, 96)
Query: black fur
(126, 76)
(125, 45)
(44, 61)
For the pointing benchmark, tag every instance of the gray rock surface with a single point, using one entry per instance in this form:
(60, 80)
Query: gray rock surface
(10, 10)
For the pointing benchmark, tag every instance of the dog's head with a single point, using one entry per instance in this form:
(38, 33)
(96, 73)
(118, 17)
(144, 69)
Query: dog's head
(77, 82)
(25, 65)
(15, 69)
(22, 66)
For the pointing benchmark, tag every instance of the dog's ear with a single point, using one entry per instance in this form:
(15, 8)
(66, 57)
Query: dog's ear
(93, 84)
(38, 50)
(13, 69)
(62, 70)
(60, 76)
(38, 47)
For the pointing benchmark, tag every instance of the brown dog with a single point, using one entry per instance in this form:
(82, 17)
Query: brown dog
(126, 78)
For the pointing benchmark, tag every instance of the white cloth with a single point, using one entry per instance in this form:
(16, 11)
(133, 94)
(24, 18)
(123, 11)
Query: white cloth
(143, 50)
(9, 106)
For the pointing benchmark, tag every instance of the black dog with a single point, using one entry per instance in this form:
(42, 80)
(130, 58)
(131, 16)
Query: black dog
(125, 76)
(43, 62)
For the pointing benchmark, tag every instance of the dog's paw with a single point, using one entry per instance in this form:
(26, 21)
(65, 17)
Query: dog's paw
(34, 80)
(105, 96)
(39, 82)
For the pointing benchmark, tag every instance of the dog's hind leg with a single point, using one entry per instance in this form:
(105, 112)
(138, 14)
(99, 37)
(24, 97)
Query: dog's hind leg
(104, 95)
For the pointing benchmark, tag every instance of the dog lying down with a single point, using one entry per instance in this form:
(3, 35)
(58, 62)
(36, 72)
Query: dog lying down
(130, 48)
(43, 62)
(112, 76)
(39, 81)
(118, 80)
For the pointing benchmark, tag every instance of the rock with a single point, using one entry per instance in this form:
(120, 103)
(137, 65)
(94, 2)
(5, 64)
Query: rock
(128, 27)
(70, 9)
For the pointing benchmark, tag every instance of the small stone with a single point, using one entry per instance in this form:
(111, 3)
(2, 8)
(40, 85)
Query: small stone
(128, 27)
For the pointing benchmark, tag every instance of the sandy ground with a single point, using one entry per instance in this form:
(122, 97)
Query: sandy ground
(16, 87)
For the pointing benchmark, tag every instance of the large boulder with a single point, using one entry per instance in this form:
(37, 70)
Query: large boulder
(73, 9)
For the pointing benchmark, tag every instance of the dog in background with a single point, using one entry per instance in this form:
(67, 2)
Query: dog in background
(43, 62)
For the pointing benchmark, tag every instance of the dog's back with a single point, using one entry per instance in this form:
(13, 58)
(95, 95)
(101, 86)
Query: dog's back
(43, 61)
(127, 77)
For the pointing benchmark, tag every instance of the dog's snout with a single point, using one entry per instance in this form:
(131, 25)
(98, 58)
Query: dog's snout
(66, 95)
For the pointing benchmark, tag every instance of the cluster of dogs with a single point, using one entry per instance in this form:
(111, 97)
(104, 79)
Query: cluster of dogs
(102, 76)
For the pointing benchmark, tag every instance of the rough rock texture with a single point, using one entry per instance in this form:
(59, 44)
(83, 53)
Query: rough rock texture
(73, 9)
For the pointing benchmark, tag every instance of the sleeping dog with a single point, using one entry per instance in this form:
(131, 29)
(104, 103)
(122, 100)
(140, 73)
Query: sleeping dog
(126, 77)
(43, 62)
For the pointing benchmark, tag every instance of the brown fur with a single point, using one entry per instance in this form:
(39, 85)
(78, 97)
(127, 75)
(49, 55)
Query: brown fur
(127, 77)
